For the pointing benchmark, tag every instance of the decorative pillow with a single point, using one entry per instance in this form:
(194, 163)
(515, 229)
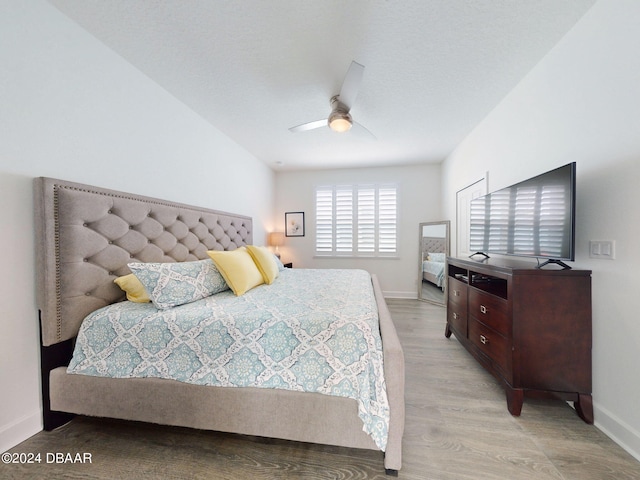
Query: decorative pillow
(173, 284)
(265, 261)
(238, 269)
(133, 288)
(437, 257)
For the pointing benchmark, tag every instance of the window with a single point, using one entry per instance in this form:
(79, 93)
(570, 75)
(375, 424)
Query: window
(356, 220)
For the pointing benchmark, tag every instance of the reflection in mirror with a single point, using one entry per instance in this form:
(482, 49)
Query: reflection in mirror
(434, 248)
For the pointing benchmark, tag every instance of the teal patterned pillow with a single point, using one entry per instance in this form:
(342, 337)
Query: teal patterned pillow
(279, 264)
(173, 284)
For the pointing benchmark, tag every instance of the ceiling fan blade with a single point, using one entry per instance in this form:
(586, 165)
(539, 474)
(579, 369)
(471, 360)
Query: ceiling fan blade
(363, 131)
(309, 126)
(351, 84)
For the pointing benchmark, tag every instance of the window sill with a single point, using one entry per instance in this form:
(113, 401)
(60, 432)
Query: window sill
(367, 257)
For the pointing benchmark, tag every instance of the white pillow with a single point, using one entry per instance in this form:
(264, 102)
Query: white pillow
(437, 257)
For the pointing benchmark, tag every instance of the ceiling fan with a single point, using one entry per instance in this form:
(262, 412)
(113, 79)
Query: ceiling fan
(339, 120)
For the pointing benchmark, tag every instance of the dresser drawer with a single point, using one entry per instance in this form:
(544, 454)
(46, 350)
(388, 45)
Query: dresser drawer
(458, 293)
(490, 310)
(457, 318)
(490, 342)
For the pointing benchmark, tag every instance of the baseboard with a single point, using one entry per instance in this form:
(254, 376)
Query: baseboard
(391, 294)
(620, 432)
(19, 430)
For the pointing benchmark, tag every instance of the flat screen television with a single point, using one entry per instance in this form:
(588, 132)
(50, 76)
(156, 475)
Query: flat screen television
(533, 218)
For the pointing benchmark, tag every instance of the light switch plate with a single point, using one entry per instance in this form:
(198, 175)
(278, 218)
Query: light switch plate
(604, 249)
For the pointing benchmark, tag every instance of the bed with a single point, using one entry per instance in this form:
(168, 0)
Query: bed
(87, 236)
(433, 260)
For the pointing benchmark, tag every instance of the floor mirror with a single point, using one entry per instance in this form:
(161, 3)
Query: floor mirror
(434, 248)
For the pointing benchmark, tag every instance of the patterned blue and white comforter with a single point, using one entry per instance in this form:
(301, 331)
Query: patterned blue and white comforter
(311, 330)
(435, 268)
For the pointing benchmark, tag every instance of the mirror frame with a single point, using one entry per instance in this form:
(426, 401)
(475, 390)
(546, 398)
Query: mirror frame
(447, 246)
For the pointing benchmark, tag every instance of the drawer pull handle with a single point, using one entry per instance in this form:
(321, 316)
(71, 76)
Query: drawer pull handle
(456, 293)
(484, 340)
(455, 316)
(483, 309)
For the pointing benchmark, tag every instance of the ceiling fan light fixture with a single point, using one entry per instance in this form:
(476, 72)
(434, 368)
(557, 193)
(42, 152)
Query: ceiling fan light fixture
(340, 121)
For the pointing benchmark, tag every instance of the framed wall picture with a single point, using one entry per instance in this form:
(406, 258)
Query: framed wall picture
(294, 224)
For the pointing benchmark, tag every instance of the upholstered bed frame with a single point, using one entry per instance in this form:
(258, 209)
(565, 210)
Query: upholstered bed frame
(85, 238)
(432, 245)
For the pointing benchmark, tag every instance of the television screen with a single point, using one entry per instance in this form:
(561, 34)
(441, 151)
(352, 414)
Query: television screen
(534, 218)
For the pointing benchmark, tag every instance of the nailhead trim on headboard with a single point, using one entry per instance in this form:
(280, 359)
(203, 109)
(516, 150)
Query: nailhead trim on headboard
(86, 236)
(57, 260)
(433, 245)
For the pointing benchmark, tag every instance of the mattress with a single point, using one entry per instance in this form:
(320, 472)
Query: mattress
(311, 330)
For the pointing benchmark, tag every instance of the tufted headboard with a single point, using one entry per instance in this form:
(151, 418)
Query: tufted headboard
(433, 245)
(85, 236)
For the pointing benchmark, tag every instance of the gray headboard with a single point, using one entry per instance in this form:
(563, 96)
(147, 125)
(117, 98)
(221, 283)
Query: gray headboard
(433, 245)
(85, 236)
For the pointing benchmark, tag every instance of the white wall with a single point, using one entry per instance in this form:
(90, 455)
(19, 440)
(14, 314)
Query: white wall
(581, 103)
(72, 109)
(418, 199)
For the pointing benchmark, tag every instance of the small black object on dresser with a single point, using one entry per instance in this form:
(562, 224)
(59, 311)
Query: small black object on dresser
(529, 327)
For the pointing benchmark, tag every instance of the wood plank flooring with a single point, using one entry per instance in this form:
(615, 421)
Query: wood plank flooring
(432, 293)
(457, 428)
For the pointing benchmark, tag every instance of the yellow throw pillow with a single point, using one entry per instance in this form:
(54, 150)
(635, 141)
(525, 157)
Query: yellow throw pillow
(265, 261)
(238, 269)
(133, 288)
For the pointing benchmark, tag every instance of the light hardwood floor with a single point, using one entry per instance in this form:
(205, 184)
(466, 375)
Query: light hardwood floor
(457, 427)
(432, 293)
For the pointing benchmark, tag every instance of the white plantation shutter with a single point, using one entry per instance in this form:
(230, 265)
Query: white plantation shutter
(324, 221)
(366, 220)
(344, 219)
(356, 220)
(387, 219)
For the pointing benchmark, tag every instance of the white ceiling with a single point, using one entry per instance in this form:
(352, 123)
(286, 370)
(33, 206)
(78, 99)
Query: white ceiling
(254, 68)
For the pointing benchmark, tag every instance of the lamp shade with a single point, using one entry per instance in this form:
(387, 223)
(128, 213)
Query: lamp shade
(276, 239)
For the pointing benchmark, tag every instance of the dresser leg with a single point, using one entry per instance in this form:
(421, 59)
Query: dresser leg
(584, 407)
(515, 397)
(447, 330)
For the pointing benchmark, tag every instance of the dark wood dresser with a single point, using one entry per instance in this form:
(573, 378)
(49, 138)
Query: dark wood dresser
(529, 327)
